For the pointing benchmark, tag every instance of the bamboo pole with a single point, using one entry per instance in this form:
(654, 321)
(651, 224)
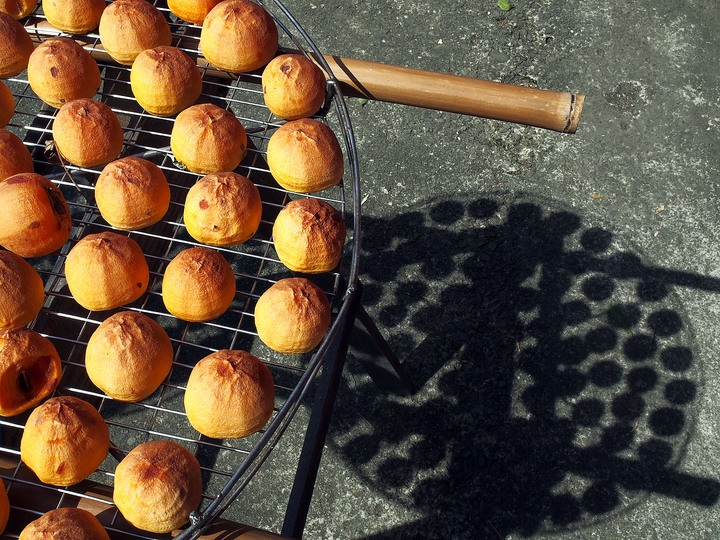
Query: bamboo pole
(559, 111)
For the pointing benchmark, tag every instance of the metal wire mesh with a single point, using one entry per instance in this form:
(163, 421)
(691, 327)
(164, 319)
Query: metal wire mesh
(227, 465)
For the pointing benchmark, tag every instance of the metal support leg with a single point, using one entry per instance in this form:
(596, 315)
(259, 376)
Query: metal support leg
(326, 393)
(384, 368)
(311, 453)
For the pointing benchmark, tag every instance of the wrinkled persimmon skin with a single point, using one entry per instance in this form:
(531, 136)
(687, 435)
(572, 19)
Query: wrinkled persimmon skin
(66, 522)
(22, 291)
(35, 218)
(7, 105)
(230, 394)
(64, 441)
(16, 46)
(308, 236)
(76, 17)
(238, 36)
(165, 80)
(15, 157)
(106, 270)
(61, 70)
(87, 133)
(292, 316)
(157, 486)
(198, 285)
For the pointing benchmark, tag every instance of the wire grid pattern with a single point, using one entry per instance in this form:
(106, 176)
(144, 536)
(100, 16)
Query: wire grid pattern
(256, 267)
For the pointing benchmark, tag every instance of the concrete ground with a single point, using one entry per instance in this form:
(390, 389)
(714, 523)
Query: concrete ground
(554, 297)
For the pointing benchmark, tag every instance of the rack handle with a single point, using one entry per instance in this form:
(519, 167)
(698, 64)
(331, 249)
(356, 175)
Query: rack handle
(558, 111)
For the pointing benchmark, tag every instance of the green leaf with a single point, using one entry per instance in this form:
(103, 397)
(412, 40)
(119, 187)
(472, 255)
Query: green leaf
(363, 101)
(504, 5)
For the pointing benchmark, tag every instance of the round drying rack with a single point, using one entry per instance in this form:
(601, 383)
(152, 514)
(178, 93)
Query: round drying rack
(227, 465)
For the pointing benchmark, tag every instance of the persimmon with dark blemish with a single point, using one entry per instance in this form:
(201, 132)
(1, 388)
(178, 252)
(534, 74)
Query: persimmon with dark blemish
(223, 209)
(30, 370)
(61, 70)
(35, 220)
(152, 471)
